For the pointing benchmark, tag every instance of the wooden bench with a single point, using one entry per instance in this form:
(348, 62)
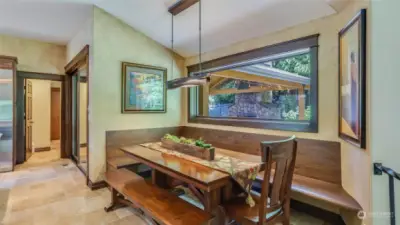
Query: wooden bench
(317, 180)
(151, 201)
(322, 191)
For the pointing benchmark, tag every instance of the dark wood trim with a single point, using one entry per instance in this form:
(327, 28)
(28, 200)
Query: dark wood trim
(20, 125)
(43, 149)
(40, 76)
(326, 216)
(296, 126)
(9, 58)
(79, 60)
(66, 116)
(311, 126)
(20, 109)
(181, 6)
(88, 71)
(362, 17)
(97, 185)
(299, 43)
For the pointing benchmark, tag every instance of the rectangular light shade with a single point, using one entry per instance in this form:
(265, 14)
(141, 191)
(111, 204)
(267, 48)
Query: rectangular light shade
(187, 82)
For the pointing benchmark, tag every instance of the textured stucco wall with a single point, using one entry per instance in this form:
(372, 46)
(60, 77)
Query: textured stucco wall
(115, 42)
(34, 56)
(356, 163)
(384, 82)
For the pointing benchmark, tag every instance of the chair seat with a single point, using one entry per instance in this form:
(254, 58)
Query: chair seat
(240, 211)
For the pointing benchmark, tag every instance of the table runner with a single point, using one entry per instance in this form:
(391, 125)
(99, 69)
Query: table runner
(244, 173)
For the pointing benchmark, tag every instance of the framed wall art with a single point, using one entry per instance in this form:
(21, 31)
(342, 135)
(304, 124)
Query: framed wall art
(143, 88)
(352, 81)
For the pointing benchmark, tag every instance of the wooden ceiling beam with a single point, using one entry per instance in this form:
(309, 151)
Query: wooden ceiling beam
(181, 6)
(260, 79)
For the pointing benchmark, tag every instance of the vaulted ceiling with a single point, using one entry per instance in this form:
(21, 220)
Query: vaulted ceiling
(224, 21)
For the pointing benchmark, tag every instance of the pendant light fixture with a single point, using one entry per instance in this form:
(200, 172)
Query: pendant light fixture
(189, 81)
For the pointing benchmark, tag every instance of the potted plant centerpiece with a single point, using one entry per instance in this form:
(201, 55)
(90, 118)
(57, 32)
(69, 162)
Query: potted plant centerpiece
(197, 148)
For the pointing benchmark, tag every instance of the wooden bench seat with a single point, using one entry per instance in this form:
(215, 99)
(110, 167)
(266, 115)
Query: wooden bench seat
(157, 203)
(164, 207)
(321, 190)
(117, 179)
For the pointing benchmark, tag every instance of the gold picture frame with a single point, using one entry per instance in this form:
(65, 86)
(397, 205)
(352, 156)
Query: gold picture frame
(143, 88)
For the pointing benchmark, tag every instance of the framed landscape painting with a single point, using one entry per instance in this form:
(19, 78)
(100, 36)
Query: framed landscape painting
(143, 88)
(352, 81)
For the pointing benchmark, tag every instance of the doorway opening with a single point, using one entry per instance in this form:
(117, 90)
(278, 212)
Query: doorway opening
(40, 103)
(42, 120)
(77, 102)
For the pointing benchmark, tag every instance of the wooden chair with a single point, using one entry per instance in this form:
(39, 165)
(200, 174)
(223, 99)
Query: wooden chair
(273, 205)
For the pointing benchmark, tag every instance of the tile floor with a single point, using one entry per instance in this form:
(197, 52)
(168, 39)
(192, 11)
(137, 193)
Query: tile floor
(53, 192)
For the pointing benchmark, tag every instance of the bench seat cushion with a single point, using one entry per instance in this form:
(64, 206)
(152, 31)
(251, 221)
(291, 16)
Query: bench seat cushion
(321, 190)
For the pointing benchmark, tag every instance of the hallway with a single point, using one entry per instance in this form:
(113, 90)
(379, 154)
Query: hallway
(47, 190)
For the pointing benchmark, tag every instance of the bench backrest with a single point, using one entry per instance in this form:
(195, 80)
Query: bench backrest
(317, 159)
(119, 138)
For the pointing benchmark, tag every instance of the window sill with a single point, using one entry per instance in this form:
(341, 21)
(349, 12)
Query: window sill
(297, 126)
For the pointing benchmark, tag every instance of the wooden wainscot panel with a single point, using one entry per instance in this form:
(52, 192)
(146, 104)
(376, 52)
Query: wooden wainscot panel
(317, 159)
(119, 138)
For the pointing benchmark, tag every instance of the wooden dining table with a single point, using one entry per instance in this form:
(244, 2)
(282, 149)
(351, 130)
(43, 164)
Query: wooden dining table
(212, 187)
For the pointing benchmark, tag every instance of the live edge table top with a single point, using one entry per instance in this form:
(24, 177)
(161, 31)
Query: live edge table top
(200, 176)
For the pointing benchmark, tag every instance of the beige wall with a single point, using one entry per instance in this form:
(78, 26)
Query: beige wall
(83, 37)
(384, 99)
(356, 163)
(34, 56)
(115, 42)
(41, 100)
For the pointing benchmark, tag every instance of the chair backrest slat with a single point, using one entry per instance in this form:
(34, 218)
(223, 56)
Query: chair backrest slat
(280, 158)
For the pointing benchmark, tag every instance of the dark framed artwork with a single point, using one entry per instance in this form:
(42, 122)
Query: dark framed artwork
(143, 88)
(352, 81)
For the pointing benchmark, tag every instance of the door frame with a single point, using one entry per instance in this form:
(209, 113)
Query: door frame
(20, 110)
(81, 59)
(13, 64)
(56, 89)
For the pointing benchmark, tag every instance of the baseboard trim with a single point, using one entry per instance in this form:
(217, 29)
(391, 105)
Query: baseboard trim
(97, 185)
(326, 216)
(43, 149)
(83, 145)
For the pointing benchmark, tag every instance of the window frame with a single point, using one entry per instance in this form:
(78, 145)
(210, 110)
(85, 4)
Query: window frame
(311, 126)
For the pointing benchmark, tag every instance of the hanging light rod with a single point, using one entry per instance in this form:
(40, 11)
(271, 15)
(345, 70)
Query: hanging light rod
(189, 81)
(181, 6)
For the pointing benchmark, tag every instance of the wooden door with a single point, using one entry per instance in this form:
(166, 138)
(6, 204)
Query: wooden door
(28, 118)
(55, 113)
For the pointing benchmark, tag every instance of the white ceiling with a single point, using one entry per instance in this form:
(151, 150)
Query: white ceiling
(50, 21)
(224, 21)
